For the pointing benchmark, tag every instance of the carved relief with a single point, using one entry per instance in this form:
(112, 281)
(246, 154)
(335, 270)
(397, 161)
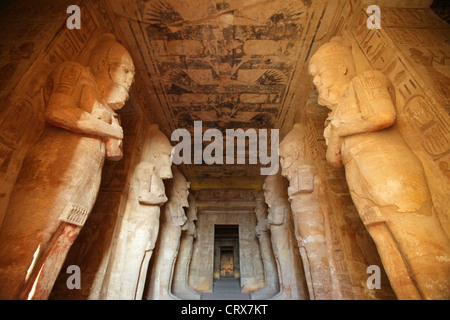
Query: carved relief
(141, 224)
(64, 166)
(180, 285)
(360, 135)
(309, 219)
(174, 218)
(418, 112)
(416, 64)
(291, 277)
(272, 286)
(225, 195)
(436, 140)
(16, 118)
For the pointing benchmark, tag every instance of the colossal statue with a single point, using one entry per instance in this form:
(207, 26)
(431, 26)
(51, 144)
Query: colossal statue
(386, 180)
(290, 270)
(60, 176)
(142, 214)
(309, 219)
(180, 285)
(272, 286)
(172, 221)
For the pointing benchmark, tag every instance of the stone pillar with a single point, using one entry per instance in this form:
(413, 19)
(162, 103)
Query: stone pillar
(202, 265)
(60, 176)
(272, 286)
(290, 269)
(172, 221)
(251, 265)
(180, 287)
(139, 227)
(387, 181)
(309, 219)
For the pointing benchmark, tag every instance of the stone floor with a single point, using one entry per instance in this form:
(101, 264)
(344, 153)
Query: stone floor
(226, 289)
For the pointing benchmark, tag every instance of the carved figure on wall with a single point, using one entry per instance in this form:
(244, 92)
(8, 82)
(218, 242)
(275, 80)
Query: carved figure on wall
(16, 54)
(304, 195)
(272, 287)
(174, 218)
(142, 214)
(386, 180)
(180, 286)
(60, 176)
(290, 270)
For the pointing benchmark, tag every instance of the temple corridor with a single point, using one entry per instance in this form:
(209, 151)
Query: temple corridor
(224, 150)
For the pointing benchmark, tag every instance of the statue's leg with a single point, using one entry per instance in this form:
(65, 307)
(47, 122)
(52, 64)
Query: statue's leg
(43, 279)
(426, 249)
(276, 252)
(412, 245)
(172, 268)
(138, 253)
(291, 275)
(394, 263)
(143, 274)
(387, 246)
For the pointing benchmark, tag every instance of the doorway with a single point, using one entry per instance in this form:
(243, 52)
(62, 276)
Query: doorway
(227, 262)
(226, 251)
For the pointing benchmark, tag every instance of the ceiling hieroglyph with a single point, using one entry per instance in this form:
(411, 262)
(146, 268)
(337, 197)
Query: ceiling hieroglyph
(230, 64)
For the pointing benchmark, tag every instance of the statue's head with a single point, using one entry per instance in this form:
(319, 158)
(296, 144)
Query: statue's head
(158, 151)
(292, 151)
(113, 68)
(180, 187)
(193, 208)
(274, 188)
(332, 67)
(178, 198)
(261, 212)
(260, 207)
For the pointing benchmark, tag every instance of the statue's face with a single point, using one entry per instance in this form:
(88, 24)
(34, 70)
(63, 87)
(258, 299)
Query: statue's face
(332, 69)
(113, 68)
(292, 154)
(268, 195)
(184, 192)
(165, 165)
(330, 82)
(158, 151)
(192, 212)
(176, 213)
(286, 159)
(115, 74)
(121, 76)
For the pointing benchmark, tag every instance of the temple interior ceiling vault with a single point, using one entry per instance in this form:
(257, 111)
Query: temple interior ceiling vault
(230, 64)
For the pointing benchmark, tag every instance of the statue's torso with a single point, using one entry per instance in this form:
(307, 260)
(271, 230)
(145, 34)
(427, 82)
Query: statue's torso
(383, 161)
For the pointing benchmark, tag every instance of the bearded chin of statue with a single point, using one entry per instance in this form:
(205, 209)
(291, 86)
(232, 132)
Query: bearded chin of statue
(184, 203)
(329, 97)
(165, 172)
(287, 171)
(116, 95)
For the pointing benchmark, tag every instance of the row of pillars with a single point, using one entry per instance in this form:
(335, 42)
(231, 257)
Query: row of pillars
(290, 230)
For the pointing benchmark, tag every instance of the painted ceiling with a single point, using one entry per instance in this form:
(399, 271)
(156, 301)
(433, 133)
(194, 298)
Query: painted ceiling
(232, 64)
